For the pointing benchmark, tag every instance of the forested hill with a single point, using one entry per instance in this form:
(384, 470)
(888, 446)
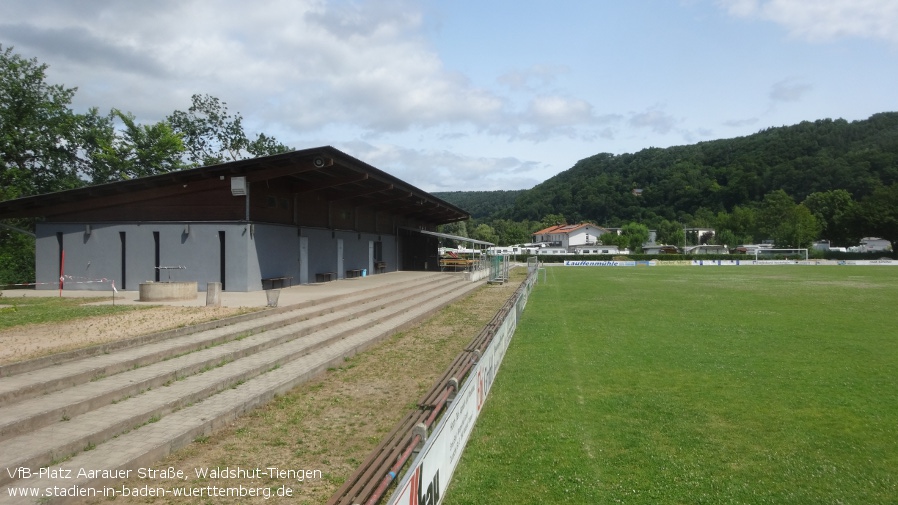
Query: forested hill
(482, 204)
(680, 183)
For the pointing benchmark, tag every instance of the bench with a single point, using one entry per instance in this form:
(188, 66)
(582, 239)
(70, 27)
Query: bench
(455, 263)
(277, 282)
(380, 267)
(353, 272)
(325, 277)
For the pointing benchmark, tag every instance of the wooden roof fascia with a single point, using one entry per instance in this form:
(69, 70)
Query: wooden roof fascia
(69, 204)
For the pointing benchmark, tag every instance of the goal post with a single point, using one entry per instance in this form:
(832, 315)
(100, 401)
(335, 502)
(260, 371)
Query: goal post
(795, 251)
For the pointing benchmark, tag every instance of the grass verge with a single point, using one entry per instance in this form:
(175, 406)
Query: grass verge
(694, 385)
(17, 311)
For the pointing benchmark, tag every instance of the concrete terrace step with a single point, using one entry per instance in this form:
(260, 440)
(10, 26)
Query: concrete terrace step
(40, 411)
(49, 378)
(382, 283)
(240, 384)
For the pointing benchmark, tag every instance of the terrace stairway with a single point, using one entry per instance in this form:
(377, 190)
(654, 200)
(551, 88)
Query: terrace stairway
(131, 407)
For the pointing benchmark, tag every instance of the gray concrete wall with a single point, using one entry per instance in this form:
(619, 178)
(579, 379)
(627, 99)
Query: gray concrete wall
(252, 252)
(93, 261)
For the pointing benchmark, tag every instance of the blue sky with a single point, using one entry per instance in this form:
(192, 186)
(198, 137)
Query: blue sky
(463, 95)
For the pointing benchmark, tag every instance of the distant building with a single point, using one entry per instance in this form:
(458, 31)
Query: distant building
(695, 235)
(824, 245)
(752, 248)
(566, 236)
(707, 249)
(875, 244)
(598, 249)
(660, 249)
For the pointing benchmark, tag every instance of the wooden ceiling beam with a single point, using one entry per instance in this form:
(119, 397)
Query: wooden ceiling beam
(274, 173)
(361, 192)
(331, 183)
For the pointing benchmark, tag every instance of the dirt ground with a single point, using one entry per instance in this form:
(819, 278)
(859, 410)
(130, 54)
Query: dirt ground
(34, 340)
(332, 423)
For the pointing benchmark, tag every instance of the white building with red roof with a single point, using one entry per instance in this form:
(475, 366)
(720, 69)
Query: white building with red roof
(569, 235)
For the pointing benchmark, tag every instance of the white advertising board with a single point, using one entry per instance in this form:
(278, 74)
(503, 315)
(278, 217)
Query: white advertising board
(430, 473)
(718, 263)
(610, 263)
(881, 262)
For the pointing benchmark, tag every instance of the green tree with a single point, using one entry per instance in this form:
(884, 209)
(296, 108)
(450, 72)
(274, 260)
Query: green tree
(834, 210)
(16, 254)
(552, 220)
(771, 214)
(135, 150)
(803, 227)
(612, 238)
(727, 238)
(671, 232)
(510, 232)
(788, 224)
(740, 223)
(458, 228)
(636, 235)
(877, 215)
(486, 233)
(41, 141)
(42, 149)
(212, 135)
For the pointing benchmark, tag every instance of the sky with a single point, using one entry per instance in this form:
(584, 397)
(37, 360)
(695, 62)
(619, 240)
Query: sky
(462, 95)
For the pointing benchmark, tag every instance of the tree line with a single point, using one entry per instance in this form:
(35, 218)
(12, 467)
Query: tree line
(828, 179)
(46, 146)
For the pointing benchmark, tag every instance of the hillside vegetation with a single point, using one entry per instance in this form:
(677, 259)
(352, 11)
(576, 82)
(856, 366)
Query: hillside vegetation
(827, 179)
(482, 204)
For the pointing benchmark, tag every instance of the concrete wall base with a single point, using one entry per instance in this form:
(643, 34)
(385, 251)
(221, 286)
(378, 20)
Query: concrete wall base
(477, 275)
(167, 291)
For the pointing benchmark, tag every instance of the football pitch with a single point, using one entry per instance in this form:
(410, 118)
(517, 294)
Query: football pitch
(683, 385)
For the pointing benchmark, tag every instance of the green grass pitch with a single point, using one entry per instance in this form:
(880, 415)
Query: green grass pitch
(691, 385)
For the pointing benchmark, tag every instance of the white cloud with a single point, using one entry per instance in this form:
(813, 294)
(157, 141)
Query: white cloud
(307, 63)
(443, 170)
(536, 77)
(824, 19)
(301, 65)
(739, 123)
(294, 65)
(557, 110)
(655, 119)
(788, 90)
